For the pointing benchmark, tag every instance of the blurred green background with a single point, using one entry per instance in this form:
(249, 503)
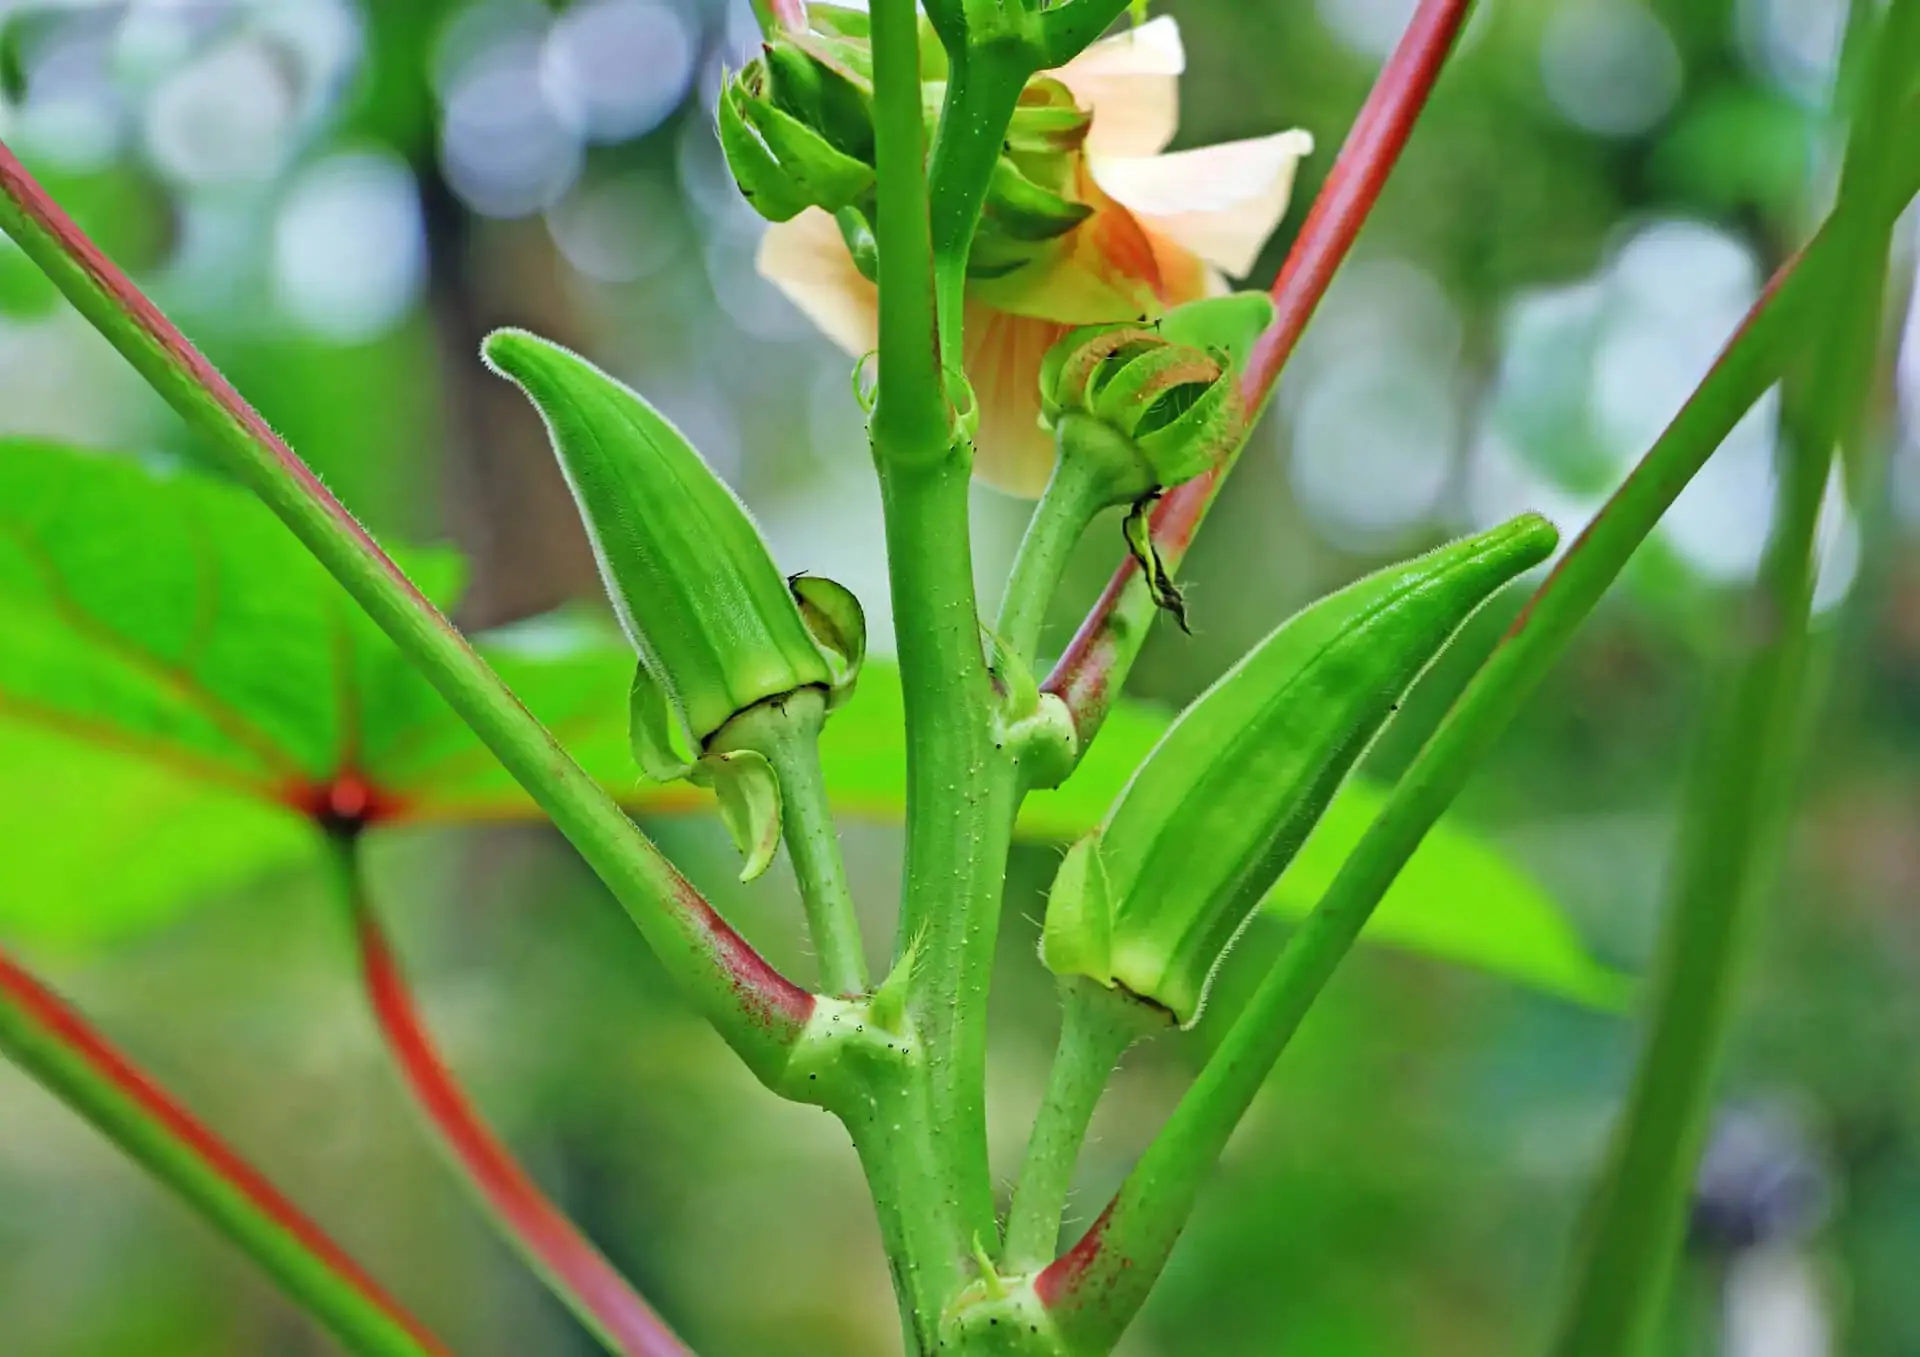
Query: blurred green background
(338, 200)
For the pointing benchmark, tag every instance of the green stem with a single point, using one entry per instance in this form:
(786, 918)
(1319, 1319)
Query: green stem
(962, 787)
(758, 1011)
(956, 777)
(912, 420)
(54, 1044)
(1075, 494)
(1070, 28)
(787, 733)
(904, 1150)
(960, 798)
(983, 87)
(1100, 1284)
(1736, 806)
(1097, 1026)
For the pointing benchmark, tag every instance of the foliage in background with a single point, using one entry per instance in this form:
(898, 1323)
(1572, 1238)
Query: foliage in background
(1546, 212)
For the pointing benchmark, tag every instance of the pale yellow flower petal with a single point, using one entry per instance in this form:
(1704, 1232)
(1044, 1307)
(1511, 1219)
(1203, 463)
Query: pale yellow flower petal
(1131, 84)
(807, 259)
(1003, 352)
(1221, 202)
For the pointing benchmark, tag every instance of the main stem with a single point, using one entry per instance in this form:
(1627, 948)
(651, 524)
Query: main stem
(906, 1150)
(960, 790)
(962, 785)
(953, 865)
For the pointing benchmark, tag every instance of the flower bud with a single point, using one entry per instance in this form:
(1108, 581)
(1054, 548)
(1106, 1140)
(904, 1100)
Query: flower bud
(827, 85)
(1048, 124)
(1033, 197)
(1149, 903)
(797, 131)
(1157, 405)
(717, 628)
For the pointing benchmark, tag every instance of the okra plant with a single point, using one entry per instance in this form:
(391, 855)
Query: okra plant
(969, 196)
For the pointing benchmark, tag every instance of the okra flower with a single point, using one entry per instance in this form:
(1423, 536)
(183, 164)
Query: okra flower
(1155, 230)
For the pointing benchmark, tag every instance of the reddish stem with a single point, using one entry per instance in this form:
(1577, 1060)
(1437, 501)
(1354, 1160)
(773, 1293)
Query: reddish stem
(576, 1268)
(49, 216)
(1104, 647)
(63, 1025)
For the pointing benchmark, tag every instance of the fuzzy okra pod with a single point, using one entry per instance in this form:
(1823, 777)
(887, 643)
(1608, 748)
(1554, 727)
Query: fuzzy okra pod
(720, 632)
(1148, 904)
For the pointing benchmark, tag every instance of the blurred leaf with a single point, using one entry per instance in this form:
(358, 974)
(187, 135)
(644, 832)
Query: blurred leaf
(1736, 148)
(24, 290)
(170, 616)
(182, 683)
(101, 845)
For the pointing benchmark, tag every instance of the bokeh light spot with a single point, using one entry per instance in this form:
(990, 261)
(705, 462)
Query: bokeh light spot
(349, 248)
(1609, 66)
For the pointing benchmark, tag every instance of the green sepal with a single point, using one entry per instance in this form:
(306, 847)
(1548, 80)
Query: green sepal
(1228, 325)
(1200, 435)
(862, 244)
(1071, 368)
(660, 743)
(888, 1007)
(1133, 395)
(1077, 938)
(839, 624)
(783, 164)
(1172, 408)
(810, 80)
(749, 794)
(824, 174)
(1018, 209)
(768, 189)
(1219, 807)
(1048, 125)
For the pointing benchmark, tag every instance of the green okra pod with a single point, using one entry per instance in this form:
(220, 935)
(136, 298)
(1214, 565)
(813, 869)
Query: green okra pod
(1149, 903)
(718, 629)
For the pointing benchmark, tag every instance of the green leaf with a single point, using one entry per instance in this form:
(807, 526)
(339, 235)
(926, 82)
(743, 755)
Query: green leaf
(181, 686)
(103, 844)
(178, 673)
